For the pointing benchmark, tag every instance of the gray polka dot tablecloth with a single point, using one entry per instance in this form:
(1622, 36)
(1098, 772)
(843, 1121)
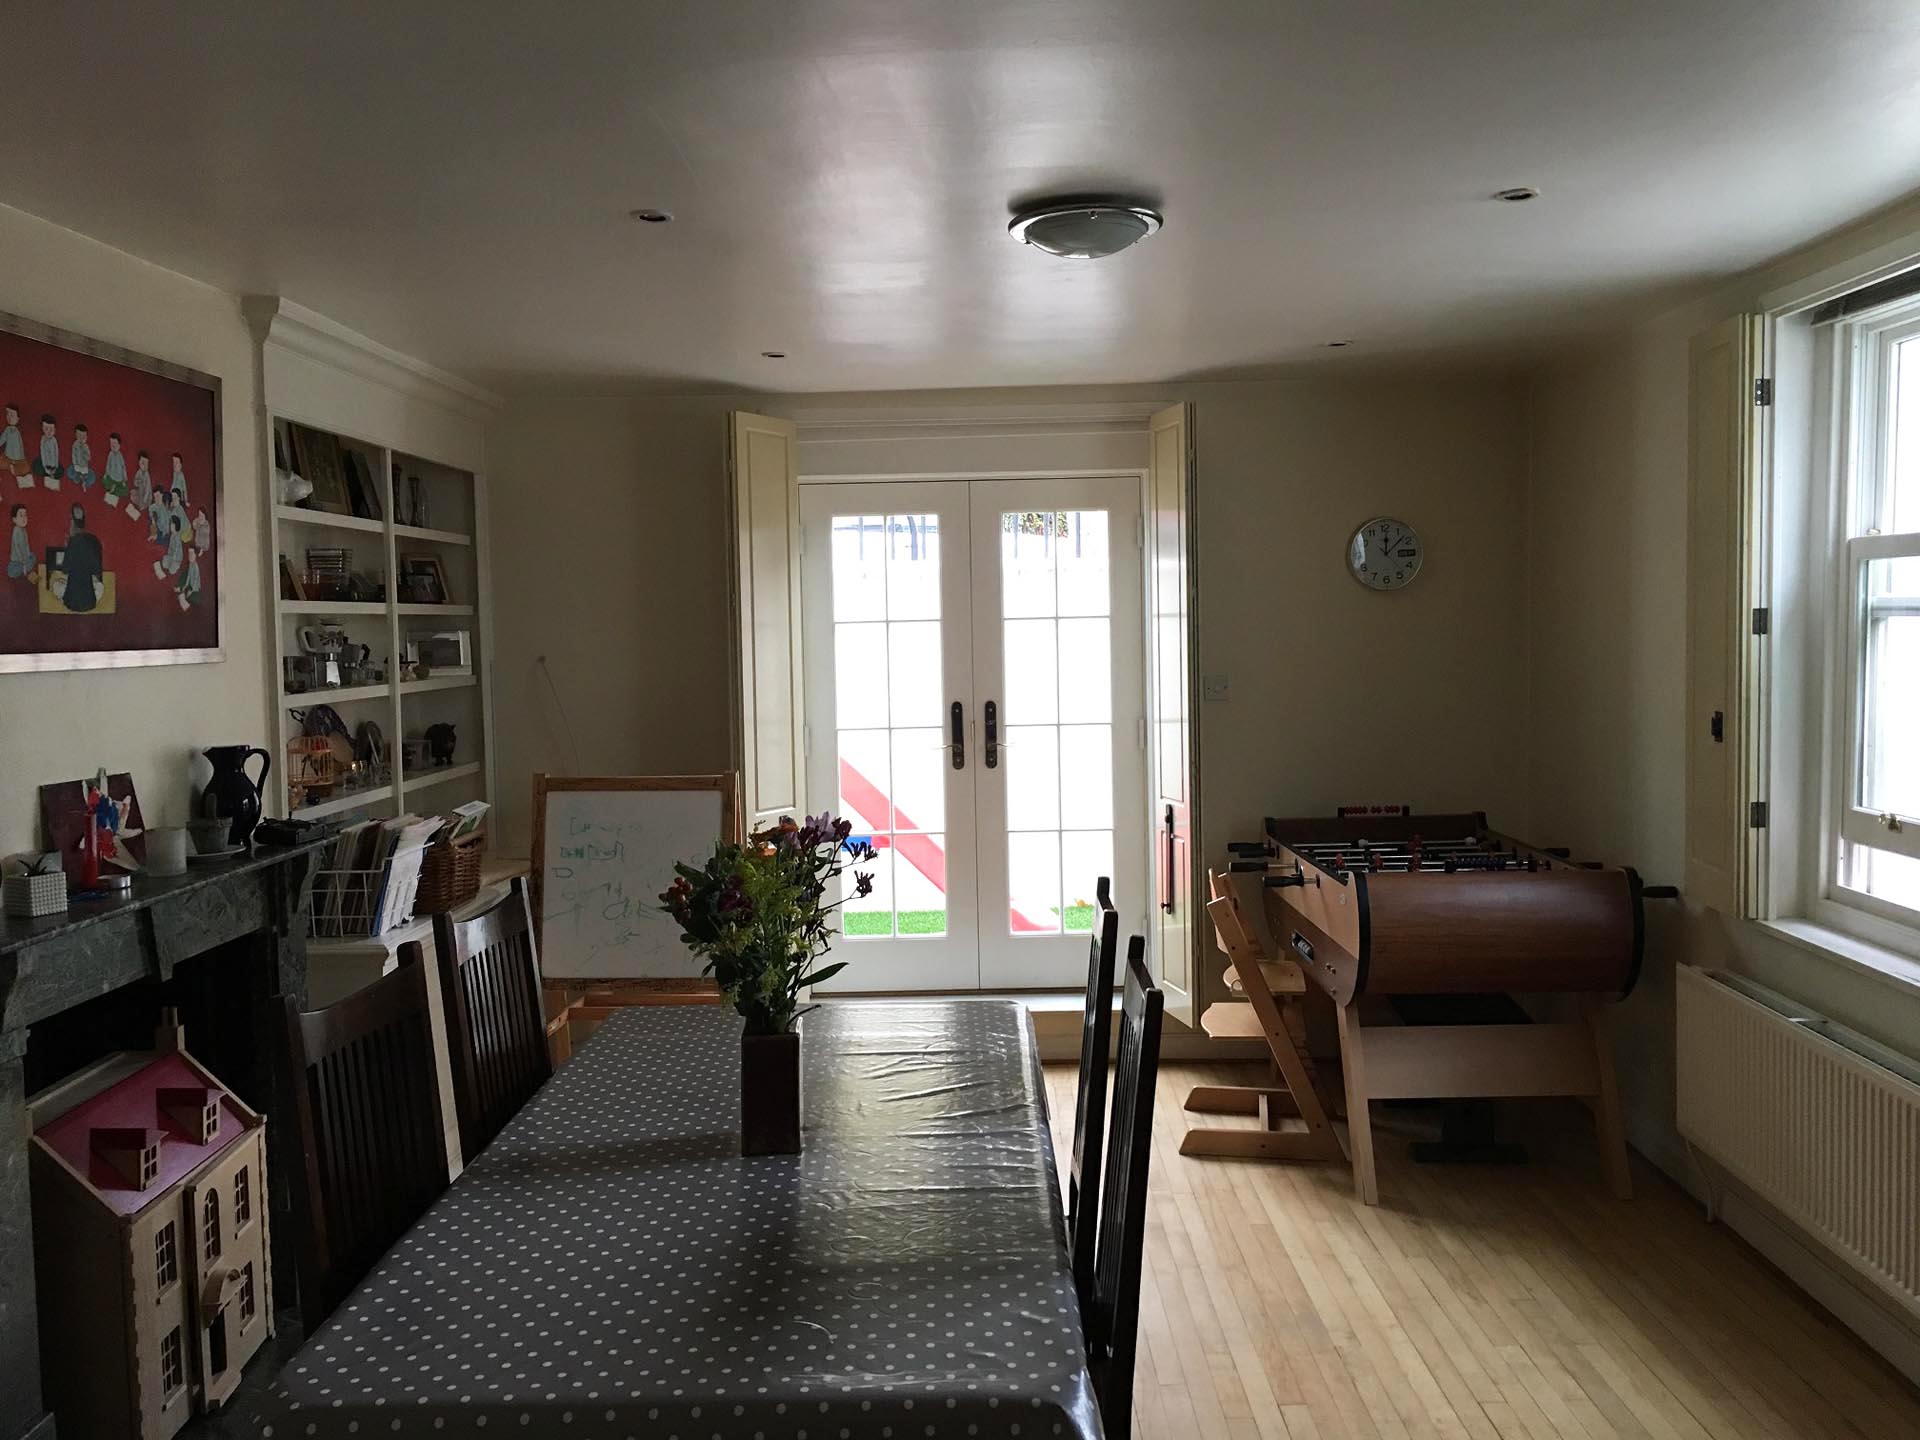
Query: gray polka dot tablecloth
(612, 1267)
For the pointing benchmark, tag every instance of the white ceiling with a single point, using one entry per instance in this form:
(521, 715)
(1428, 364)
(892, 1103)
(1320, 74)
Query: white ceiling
(452, 177)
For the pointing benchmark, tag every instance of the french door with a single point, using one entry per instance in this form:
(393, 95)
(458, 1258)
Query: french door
(975, 706)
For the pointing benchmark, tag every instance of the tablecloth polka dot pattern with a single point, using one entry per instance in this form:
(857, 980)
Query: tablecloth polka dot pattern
(611, 1267)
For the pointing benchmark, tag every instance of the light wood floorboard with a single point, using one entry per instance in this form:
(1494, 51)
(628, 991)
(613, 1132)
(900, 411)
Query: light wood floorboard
(1474, 1303)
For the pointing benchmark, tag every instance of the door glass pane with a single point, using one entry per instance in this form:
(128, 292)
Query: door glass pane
(1032, 762)
(1890, 739)
(913, 672)
(859, 567)
(1082, 564)
(1086, 776)
(920, 884)
(1031, 695)
(1033, 882)
(1057, 641)
(913, 567)
(920, 762)
(1026, 563)
(889, 712)
(1085, 855)
(872, 916)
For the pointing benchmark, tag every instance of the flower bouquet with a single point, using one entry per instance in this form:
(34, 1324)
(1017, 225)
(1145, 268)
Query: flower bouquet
(759, 914)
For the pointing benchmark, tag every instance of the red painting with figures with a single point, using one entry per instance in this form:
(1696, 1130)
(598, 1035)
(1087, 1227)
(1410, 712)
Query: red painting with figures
(109, 483)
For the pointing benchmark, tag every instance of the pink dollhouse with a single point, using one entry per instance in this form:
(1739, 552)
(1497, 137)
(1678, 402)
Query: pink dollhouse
(150, 1242)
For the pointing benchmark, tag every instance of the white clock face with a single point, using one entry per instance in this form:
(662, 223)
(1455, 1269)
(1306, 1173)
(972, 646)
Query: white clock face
(1384, 553)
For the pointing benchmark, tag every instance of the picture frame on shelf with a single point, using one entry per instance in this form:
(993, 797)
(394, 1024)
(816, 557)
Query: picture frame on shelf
(110, 465)
(423, 580)
(67, 805)
(317, 458)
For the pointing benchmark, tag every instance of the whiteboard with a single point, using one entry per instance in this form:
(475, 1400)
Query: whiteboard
(603, 851)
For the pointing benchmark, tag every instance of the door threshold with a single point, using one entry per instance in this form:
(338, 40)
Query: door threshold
(1036, 1001)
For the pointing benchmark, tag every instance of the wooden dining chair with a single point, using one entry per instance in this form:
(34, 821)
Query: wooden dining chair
(1112, 1318)
(496, 1020)
(1264, 983)
(367, 1110)
(1090, 1106)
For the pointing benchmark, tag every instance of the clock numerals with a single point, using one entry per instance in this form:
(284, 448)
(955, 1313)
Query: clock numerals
(1384, 553)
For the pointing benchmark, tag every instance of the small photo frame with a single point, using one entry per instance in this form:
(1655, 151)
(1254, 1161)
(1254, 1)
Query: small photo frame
(423, 579)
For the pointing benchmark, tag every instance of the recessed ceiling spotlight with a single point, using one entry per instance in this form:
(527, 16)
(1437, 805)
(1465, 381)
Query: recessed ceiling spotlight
(773, 354)
(1516, 194)
(650, 217)
(1083, 229)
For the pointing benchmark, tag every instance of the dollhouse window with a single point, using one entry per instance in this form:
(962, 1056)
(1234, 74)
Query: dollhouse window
(242, 1200)
(166, 1261)
(173, 1370)
(246, 1292)
(210, 1225)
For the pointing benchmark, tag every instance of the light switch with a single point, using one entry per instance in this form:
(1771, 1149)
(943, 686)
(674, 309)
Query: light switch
(1215, 687)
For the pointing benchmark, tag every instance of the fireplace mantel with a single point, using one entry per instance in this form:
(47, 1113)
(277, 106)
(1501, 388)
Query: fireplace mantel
(52, 964)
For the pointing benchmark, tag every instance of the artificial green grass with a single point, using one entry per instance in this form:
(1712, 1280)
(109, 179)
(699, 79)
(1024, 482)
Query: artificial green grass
(934, 922)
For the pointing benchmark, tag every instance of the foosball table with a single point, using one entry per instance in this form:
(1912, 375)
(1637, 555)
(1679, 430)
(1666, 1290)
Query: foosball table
(1433, 923)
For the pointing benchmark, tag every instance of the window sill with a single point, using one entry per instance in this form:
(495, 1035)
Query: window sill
(1890, 967)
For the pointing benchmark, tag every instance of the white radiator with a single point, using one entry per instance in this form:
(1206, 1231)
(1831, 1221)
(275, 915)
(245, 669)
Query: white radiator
(1817, 1120)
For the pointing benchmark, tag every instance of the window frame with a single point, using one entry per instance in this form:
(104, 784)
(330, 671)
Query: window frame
(1850, 485)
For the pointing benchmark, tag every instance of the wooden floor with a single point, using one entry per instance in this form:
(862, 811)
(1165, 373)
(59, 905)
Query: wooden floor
(1474, 1301)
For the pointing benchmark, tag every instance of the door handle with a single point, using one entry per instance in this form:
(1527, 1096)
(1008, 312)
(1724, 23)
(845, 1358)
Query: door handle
(1167, 902)
(1717, 727)
(958, 745)
(991, 714)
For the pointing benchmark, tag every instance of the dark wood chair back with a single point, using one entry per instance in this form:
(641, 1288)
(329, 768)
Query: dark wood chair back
(372, 1142)
(1090, 1106)
(1112, 1320)
(496, 1026)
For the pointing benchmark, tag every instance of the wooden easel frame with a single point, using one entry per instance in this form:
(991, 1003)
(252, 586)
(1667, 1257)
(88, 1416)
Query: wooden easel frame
(726, 784)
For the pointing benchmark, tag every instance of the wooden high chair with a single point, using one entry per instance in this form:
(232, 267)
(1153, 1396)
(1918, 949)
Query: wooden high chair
(1264, 984)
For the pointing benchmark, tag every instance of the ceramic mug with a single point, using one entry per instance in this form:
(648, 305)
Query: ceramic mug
(167, 850)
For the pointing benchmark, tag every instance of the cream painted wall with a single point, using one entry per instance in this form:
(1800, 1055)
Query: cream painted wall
(609, 537)
(149, 721)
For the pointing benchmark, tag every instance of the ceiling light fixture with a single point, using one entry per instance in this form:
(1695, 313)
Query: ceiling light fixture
(1083, 229)
(650, 217)
(1517, 194)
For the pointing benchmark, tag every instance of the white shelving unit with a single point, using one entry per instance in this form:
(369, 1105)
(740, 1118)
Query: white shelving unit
(406, 420)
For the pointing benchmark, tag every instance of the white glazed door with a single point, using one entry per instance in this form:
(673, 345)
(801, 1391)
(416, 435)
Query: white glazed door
(975, 706)
(1061, 786)
(885, 579)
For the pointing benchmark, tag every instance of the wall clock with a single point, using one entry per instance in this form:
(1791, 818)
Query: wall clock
(1384, 553)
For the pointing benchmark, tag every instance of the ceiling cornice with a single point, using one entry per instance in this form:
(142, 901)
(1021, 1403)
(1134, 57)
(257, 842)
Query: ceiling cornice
(276, 320)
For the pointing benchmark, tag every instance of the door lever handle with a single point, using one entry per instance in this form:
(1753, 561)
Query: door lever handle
(958, 745)
(991, 714)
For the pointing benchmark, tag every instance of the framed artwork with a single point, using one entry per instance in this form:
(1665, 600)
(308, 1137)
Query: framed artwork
(423, 579)
(110, 483)
(317, 460)
(65, 807)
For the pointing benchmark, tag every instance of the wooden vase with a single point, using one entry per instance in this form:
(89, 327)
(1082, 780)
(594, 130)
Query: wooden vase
(770, 1094)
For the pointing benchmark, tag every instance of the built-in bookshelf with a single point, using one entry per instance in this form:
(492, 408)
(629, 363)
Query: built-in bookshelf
(379, 576)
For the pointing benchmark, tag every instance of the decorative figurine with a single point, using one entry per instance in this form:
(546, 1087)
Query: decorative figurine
(440, 743)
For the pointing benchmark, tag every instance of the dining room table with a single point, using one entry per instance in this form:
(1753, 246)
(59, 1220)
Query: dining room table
(612, 1267)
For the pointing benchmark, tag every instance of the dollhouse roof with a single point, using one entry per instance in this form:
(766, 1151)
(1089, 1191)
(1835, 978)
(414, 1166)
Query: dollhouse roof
(134, 1103)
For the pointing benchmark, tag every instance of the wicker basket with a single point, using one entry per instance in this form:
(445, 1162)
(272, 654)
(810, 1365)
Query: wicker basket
(450, 876)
